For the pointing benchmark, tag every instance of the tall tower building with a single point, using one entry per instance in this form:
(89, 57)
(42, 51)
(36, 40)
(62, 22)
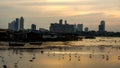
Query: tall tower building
(80, 27)
(65, 21)
(86, 29)
(16, 24)
(21, 25)
(13, 25)
(102, 26)
(33, 27)
(60, 21)
(9, 26)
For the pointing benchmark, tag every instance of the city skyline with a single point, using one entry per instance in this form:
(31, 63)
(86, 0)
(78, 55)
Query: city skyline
(17, 24)
(42, 13)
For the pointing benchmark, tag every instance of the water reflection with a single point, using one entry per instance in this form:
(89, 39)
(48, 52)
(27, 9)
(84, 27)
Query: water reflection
(91, 56)
(35, 58)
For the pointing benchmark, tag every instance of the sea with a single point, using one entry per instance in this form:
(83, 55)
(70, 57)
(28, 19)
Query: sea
(102, 52)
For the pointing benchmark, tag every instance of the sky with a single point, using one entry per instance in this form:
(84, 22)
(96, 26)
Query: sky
(44, 12)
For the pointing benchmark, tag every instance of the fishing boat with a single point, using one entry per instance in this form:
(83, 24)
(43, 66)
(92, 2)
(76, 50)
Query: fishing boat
(16, 44)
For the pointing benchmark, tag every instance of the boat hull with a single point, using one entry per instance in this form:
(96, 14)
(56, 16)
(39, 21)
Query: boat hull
(16, 44)
(35, 43)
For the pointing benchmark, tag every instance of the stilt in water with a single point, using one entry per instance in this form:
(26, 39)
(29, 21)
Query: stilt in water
(118, 57)
(103, 57)
(42, 52)
(63, 57)
(90, 56)
(75, 54)
(4, 66)
(16, 66)
(31, 60)
(54, 54)
(107, 57)
(59, 57)
(78, 58)
(48, 53)
(69, 59)
(70, 55)
(33, 56)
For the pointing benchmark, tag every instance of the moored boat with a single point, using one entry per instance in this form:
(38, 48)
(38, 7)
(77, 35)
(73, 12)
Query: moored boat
(16, 44)
(35, 43)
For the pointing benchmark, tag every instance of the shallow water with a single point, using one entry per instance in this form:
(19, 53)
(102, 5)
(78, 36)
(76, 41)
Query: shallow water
(65, 57)
(86, 57)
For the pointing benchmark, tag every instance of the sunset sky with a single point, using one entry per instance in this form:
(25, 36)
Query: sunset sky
(44, 12)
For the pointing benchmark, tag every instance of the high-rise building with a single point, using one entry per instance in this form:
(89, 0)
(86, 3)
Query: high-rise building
(9, 26)
(33, 27)
(65, 21)
(62, 28)
(80, 27)
(102, 26)
(21, 25)
(16, 24)
(60, 21)
(13, 25)
(86, 29)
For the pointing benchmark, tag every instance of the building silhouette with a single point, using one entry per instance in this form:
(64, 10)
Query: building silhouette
(33, 27)
(17, 24)
(21, 23)
(79, 27)
(102, 26)
(62, 28)
(13, 25)
(65, 21)
(9, 26)
(60, 21)
(86, 29)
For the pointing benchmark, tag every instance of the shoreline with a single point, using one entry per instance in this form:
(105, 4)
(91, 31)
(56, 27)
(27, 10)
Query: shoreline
(99, 41)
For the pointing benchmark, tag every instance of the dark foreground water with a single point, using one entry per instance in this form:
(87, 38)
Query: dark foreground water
(76, 56)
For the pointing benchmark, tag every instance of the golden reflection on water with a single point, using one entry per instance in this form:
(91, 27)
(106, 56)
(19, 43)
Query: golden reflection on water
(56, 58)
(64, 57)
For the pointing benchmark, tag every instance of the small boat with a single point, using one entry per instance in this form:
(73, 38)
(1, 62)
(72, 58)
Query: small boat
(16, 44)
(35, 43)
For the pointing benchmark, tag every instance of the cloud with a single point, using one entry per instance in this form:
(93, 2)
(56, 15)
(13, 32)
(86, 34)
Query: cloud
(89, 12)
